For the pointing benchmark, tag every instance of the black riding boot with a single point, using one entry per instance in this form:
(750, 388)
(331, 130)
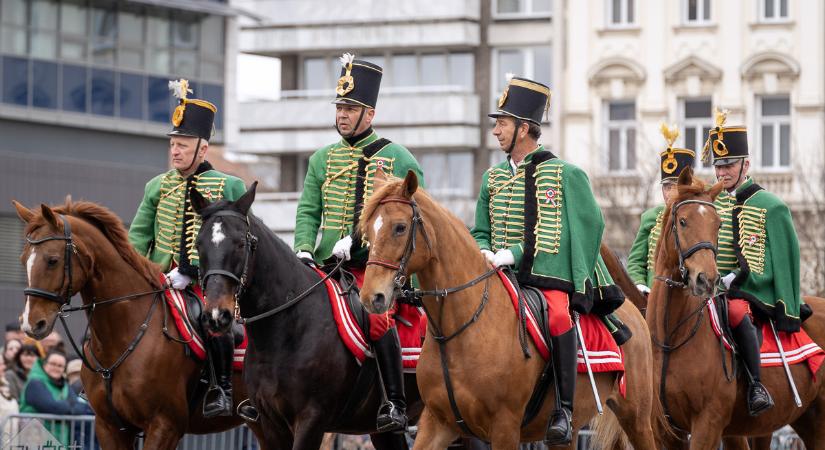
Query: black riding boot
(218, 398)
(565, 362)
(747, 340)
(392, 415)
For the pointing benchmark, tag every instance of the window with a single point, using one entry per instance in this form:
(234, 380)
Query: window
(315, 74)
(104, 32)
(130, 40)
(212, 48)
(131, 95)
(620, 133)
(15, 81)
(448, 174)
(73, 26)
(534, 63)
(185, 36)
(523, 8)
(696, 12)
(43, 29)
(44, 84)
(74, 88)
(773, 10)
(620, 13)
(697, 120)
(103, 92)
(404, 72)
(775, 131)
(13, 26)
(157, 34)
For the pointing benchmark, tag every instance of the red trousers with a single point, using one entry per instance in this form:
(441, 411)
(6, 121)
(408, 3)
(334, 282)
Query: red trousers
(737, 308)
(558, 306)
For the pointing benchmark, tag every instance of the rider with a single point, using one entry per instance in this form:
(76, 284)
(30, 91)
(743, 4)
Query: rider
(642, 255)
(758, 253)
(339, 181)
(538, 213)
(165, 225)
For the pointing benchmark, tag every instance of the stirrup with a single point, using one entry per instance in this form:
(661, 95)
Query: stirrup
(556, 436)
(220, 404)
(765, 402)
(391, 418)
(247, 411)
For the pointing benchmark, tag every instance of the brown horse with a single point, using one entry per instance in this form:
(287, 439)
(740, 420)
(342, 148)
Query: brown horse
(83, 248)
(699, 398)
(492, 380)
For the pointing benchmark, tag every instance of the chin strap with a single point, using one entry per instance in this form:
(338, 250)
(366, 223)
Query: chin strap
(194, 157)
(515, 135)
(355, 128)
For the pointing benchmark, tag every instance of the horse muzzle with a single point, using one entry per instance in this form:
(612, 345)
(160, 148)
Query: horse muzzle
(378, 304)
(704, 286)
(217, 320)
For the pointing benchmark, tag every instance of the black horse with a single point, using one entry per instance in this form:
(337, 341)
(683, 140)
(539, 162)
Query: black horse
(300, 376)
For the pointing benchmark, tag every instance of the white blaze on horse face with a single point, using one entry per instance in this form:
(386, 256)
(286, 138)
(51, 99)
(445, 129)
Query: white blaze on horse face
(702, 210)
(217, 233)
(24, 326)
(29, 266)
(379, 222)
(215, 314)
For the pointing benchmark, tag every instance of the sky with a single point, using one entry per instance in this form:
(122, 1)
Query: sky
(258, 77)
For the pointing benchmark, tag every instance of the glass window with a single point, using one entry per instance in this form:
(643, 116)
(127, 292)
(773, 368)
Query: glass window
(542, 65)
(16, 81)
(103, 35)
(775, 131)
(44, 86)
(185, 34)
(697, 119)
(74, 88)
(448, 174)
(773, 10)
(510, 61)
(542, 6)
(212, 31)
(375, 59)
(44, 14)
(315, 74)
(214, 94)
(130, 58)
(13, 40)
(130, 28)
(433, 70)
(621, 13)
(160, 102)
(404, 72)
(103, 92)
(185, 63)
(534, 63)
(462, 72)
(13, 12)
(158, 31)
(621, 136)
(522, 7)
(72, 50)
(44, 44)
(211, 70)
(72, 18)
(696, 11)
(131, 95)
(508, 6)
(160, 61)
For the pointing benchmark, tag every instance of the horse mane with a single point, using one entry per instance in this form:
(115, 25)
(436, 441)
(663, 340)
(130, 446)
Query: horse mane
(113, 229)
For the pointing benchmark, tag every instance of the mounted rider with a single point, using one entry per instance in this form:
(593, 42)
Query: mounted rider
(758, 253)
(165, 225)
(537, 213)
(640, 261)
(338, 182)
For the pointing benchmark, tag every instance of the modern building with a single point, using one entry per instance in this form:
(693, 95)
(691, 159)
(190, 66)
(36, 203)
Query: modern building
(84, 103)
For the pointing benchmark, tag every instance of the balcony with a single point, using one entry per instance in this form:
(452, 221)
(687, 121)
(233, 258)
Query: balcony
(431, 117)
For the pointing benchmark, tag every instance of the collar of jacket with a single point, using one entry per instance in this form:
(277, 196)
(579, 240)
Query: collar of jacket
(362, 140)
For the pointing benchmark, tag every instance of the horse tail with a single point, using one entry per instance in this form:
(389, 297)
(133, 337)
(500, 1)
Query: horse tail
(607, 432)
(622, 278)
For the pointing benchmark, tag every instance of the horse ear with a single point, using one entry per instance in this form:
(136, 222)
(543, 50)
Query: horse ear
(48, 214)
(715, 190)
(198, 200)
(245, 202)
(685, 177)
(25, 214)
(410, 184)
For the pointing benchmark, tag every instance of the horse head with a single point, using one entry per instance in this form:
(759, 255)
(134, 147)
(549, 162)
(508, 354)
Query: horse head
(226, 247)
(399, 239)
(690, 234)
(55, 268)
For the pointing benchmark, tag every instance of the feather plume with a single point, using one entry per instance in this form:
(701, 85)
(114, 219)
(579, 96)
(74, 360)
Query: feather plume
(670, 133)
(347, 59)
(721, 116)
(509, 76)
(180, 88)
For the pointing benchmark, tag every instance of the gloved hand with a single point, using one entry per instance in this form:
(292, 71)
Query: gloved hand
(643, 289)
(306, 257)
(341, 250)
(504, 258)
(178, 280)
(488, 255)
(728, 279)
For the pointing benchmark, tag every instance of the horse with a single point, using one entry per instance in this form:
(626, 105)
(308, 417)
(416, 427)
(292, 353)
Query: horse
(300, 375)
(136, 374)
(696, 394)
(491, 378)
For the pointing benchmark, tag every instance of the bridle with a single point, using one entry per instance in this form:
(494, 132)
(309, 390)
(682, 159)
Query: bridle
(400, 278)
(702, 245)
(250, 245)
(65, 297)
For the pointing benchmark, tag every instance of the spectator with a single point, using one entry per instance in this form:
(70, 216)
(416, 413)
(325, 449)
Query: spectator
(13, 332)
(8, 405)
(73, 375)
(10, 350)
(18, 371)
(48, 392)
(53, 342)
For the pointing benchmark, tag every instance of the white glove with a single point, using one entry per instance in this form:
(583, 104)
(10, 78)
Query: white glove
(488, 255)
(305, 256)
(643, 289)
(504, 258)
(342, 248)
(728, 279)
(178, 280)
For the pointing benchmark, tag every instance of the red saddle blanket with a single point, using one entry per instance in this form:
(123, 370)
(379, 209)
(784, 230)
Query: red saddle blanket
(602, 351)
(798, 347)
(411, 325)
(180, 314)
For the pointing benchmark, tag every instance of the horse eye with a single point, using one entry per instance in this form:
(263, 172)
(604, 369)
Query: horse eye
(52, 261)
(400, 229)
(683, 222)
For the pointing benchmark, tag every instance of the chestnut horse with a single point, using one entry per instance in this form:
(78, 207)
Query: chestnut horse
(492, 380)
(82, 247)
(697, 394)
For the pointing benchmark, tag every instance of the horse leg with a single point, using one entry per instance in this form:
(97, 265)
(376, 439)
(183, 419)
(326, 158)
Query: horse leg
(110, 437)
(163, 435)
(308, 434)
(432, 433)
(706, 434)
(389, 441)
(505, 433)
(736, 443)
(273, 433)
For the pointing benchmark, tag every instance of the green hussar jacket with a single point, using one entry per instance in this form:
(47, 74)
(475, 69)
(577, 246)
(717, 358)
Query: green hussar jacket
(758, 242)
(165, 225)
(642, 256)
(546, 214)
(339, 180)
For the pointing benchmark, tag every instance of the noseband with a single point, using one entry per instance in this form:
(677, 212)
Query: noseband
(249, 251)
(66, 297)
(702, 245)
(417, 221)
